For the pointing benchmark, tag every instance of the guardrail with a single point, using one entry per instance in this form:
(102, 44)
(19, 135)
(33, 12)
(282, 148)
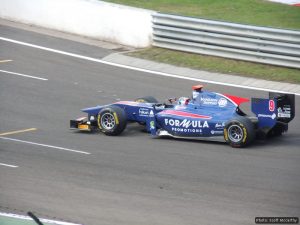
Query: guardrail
(243, 42)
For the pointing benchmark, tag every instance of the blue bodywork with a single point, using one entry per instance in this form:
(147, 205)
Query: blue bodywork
(204, 115)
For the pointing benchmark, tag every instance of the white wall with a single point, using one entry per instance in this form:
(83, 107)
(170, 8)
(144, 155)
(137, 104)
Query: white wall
(290, 2)
(92, 18)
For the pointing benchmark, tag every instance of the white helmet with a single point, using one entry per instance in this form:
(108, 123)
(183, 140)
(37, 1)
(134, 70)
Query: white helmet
(183, 101)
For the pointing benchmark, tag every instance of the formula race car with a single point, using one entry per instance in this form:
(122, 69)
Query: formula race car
(206, 115)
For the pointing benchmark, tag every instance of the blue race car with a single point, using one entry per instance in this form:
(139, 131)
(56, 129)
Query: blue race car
(206, 115)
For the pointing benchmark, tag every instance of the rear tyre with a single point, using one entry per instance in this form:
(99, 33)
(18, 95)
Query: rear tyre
(146, 99)
(239, 132)
(112, 120)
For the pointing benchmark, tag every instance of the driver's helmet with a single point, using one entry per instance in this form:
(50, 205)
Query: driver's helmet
(183, 101)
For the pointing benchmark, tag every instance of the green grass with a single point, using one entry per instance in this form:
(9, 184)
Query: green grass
(256, 12)
(220, 65)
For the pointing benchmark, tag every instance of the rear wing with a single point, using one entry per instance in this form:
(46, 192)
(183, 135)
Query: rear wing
(279, 108)
(285, 106)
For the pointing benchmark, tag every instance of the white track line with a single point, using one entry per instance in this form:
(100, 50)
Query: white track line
(44, 145)
(23, 75)
(7, 165)
(138, 69)
(15, 216)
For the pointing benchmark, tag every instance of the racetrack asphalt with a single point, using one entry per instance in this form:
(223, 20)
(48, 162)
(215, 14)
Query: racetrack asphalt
(130, 179)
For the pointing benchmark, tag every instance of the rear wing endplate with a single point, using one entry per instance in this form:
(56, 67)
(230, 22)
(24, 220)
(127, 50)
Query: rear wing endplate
(285, 106)
(278, 108)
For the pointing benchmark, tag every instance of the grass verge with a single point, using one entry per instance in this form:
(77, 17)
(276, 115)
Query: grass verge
(220, 65)
(255, 12)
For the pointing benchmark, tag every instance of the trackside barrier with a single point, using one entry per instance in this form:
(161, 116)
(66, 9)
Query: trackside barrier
(243, 42)
(89, 18)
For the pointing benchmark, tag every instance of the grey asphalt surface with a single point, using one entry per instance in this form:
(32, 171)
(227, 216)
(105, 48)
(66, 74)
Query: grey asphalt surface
(130, 179)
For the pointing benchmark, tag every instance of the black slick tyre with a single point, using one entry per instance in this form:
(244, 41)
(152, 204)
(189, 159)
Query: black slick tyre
(239, 132)
(112, 120)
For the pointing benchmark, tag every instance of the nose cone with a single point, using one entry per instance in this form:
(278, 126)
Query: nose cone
(92, 110)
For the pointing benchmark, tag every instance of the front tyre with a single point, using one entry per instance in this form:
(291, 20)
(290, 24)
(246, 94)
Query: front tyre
(146, 99)
(239, 132)
(112, 120)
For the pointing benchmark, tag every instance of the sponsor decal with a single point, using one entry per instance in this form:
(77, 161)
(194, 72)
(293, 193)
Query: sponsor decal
(220, 125)
(183, 130)
(222, 102)
(273, 116)
(187, 123)
(284, 112)
(195, 94)
(152, 125)
(144, 112)
(186, 126)
(209, 101)
(271, 105)
(216, 132)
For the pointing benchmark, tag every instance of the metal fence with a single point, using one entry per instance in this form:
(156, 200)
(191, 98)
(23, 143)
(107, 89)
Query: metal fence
(229, 40)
